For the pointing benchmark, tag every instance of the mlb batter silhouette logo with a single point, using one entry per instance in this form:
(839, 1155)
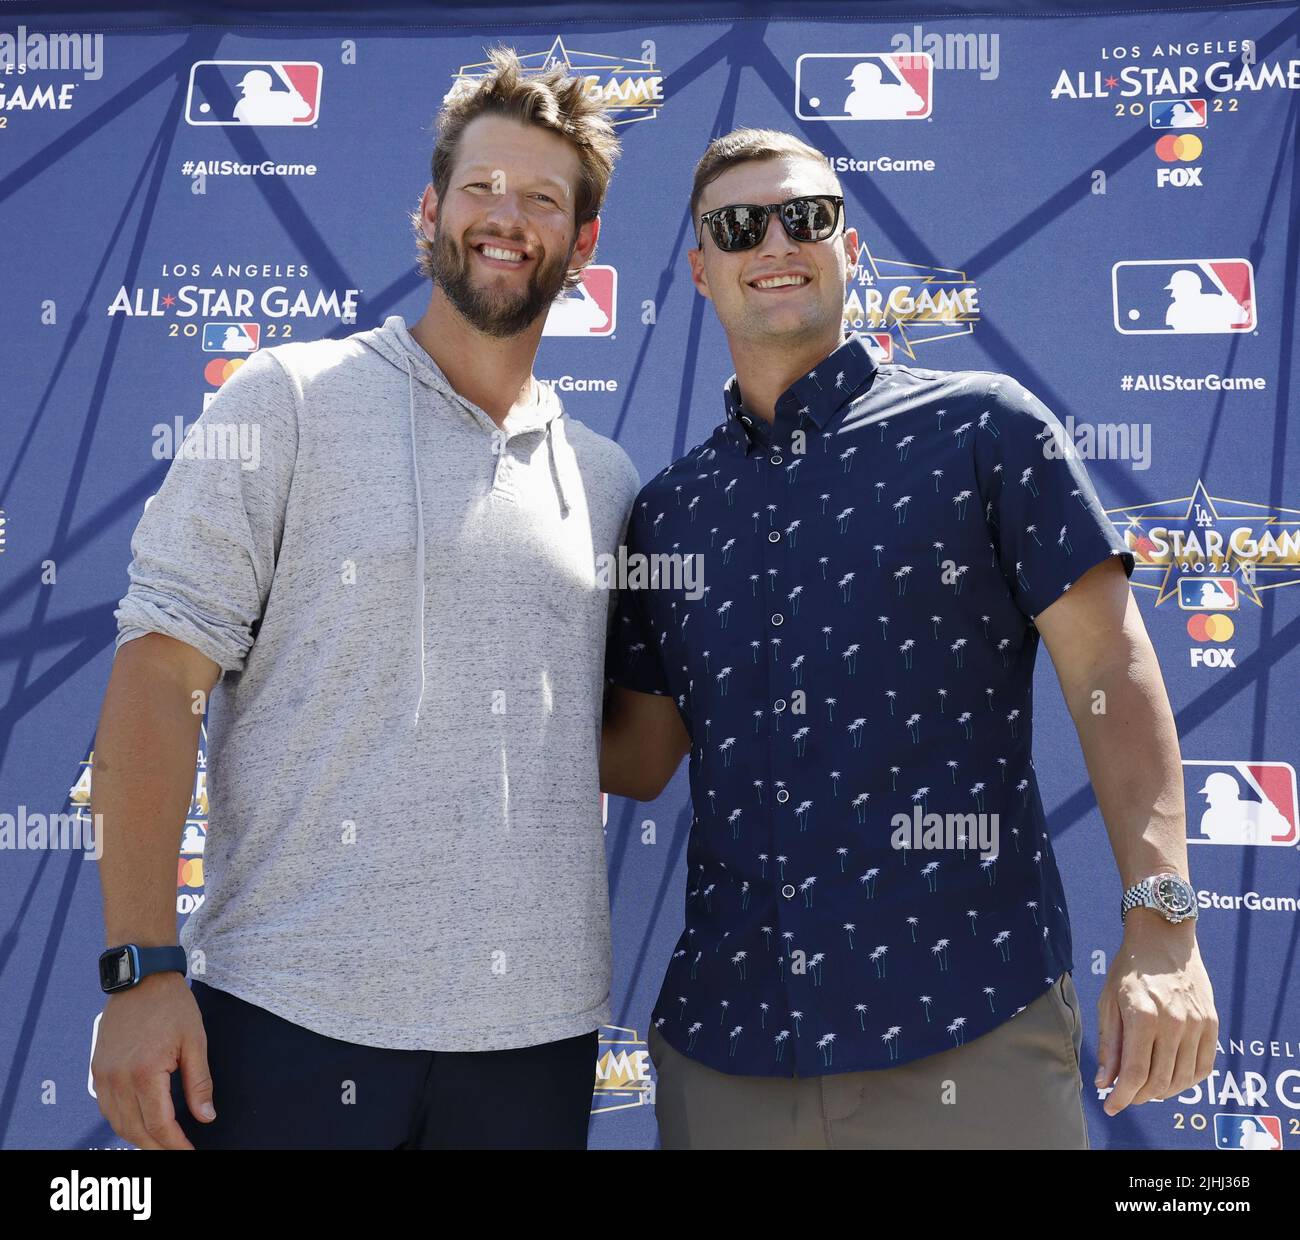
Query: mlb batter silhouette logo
(590, 309)
(1252, 803)
(1184, 296)
(253, 92)
(865, 86)
(1247, 1132)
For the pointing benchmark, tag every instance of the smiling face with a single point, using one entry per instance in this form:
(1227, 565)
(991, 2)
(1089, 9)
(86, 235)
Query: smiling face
(808, 302)
(503, 236)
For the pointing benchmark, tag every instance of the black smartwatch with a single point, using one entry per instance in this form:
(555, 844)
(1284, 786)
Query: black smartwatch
(120, 968)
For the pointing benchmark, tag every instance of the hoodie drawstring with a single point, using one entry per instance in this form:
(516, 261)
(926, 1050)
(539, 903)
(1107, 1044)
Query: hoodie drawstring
(419, 531)
(555, 468)
(557, 478)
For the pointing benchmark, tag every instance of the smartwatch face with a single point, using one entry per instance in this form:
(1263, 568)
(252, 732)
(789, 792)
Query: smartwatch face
(1174, 896)
(115, 970)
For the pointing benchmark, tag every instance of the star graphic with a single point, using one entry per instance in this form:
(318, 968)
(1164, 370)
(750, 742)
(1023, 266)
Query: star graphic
(1202, 511)
(868, 274)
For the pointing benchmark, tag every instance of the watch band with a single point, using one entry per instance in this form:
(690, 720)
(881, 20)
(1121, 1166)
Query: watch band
(1136, 896)
(162, 960)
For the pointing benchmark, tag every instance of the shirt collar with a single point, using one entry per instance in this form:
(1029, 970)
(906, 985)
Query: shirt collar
(820, 394)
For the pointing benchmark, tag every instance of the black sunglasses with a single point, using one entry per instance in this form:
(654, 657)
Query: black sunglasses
(742, 226)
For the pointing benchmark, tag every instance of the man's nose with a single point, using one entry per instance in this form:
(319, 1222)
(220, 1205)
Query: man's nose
(776, 243)
(505, 210)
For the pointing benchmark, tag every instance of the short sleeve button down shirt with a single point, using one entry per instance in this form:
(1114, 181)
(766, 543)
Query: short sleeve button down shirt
(869, 874)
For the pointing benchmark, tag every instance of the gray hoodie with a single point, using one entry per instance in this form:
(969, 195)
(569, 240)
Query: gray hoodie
(404, 841)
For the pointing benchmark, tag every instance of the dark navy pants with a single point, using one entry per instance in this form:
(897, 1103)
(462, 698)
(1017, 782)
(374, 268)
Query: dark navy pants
(277, 1085)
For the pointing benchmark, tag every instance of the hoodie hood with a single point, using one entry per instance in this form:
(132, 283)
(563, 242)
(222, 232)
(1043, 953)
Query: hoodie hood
(393, 341)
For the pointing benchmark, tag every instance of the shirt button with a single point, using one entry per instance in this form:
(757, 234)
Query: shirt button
(788, 891)
(775, 458)
(777, 618)
(774, 536)
(779, 705)
(782, 795)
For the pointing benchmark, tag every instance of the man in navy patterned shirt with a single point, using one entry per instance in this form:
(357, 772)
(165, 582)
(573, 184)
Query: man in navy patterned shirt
(877, 949)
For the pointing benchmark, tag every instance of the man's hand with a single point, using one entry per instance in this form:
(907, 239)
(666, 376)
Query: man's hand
(1158, 1027)
(145, 1034)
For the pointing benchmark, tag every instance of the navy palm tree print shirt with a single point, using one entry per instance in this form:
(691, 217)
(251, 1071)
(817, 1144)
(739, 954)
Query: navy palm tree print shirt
(862, 647)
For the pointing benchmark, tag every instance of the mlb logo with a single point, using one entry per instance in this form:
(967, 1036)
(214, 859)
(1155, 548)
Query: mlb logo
(231, 337)
(1178, 114)
(1247, 1132)
(1208, 594)
(1251, 803)
(194, 839)
(1160, 297)
(884, 342)
(590, 309)
(863, 86)
(253, 92)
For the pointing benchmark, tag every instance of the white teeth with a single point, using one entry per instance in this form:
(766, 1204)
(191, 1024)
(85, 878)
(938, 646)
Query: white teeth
(780, 281)
(509, 256)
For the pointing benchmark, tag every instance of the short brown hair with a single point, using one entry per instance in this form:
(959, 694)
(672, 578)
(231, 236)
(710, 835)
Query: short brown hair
(554, 100)
(739, 147)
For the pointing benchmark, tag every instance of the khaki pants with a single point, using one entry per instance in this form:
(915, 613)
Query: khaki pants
(1016, 1087)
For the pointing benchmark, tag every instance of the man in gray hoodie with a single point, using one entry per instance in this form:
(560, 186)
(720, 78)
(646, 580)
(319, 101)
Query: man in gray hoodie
(396, 613)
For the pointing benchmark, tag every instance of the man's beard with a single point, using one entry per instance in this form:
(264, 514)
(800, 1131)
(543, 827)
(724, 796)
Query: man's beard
(497, 312)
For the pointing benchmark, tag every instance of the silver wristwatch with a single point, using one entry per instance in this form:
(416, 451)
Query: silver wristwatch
(1171, 897)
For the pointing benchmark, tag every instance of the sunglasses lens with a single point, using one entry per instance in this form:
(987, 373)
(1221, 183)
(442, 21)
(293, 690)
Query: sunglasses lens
(742, 227)
(810, 219)
(738, 228)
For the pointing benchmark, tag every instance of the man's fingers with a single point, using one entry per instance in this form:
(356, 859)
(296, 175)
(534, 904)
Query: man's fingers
(1164, 1055)
(1108, 1039)
(1207, 1049)
(1135, 1059)
(110, 1106)
(1185, 1065)
(160, 1116)
(136, 1130)
(196, 1079)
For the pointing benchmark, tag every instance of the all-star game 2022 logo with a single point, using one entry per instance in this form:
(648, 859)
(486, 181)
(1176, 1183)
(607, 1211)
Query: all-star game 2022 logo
(901, 304)
(631, 86)
(1155, 87)
(1207, 554)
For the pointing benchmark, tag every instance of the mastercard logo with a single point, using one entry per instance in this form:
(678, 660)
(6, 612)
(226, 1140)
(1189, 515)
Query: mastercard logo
(219, 369)
(189, 872)
(1179, 146)
(1211, 627)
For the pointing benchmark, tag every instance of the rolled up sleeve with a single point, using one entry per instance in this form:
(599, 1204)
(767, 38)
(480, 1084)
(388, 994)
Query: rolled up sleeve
(205, 549)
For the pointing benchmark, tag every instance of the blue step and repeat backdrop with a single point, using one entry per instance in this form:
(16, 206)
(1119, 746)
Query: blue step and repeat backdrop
(1100, 200)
